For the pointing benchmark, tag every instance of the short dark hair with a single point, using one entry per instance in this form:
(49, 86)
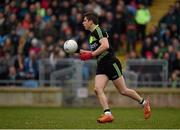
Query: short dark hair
(91, 16)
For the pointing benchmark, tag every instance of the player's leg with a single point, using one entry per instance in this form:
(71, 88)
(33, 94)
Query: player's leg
(124, 90)
(100, 83)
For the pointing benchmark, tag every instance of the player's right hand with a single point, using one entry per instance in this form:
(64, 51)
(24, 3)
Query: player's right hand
(86, 55)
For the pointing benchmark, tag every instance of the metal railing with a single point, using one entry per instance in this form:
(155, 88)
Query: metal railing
(73, 72)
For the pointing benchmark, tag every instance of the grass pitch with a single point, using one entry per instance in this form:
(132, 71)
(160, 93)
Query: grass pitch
(85, 118)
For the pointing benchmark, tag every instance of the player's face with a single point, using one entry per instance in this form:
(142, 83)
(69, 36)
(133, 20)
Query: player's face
(86, 23)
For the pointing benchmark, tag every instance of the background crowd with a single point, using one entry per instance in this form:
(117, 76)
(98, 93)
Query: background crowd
(31, 30)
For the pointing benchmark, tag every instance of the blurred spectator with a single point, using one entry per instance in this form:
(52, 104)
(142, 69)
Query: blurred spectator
(131, 32)
(132, 55)
(23, 10)
(19, 66)
(177, 15)
(13, 7)
(15, 40)
(174, 31)
(172, 57)
(45, 4)
(31, 67)
(39, 10)
(39, 25)
(35, 46)
(8, 47)
(175, 43)
(142, 18)
(43, 54)
(169, 18)
(176, 63)
(8, 59)
(167, 37)
(154, 35)
(11, 22)
(119, 25)
(48, 15)
(49, 33)
(175, 79)
(132, 7)
(5, 63)
(147, 47)
(156, 52)
(21, 45)
(3, 24)
(12, 76)
(1, 52)
(55, 55)
(32, 11)
(26, 23)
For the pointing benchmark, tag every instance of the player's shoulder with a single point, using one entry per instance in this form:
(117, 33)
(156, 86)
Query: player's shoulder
(99, 28)
(100, 32)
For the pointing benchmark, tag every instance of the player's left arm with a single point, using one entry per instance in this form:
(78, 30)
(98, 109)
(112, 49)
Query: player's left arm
(103, 47)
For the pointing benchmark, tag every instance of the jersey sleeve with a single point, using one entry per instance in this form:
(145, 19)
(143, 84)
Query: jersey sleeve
(99, 33)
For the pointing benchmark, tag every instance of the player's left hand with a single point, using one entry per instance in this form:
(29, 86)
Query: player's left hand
(86, 55)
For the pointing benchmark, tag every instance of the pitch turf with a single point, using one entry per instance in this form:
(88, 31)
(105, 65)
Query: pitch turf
(84, 118)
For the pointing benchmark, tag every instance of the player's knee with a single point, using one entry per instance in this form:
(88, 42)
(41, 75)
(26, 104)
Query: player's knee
(97, 90)
(124, 92)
